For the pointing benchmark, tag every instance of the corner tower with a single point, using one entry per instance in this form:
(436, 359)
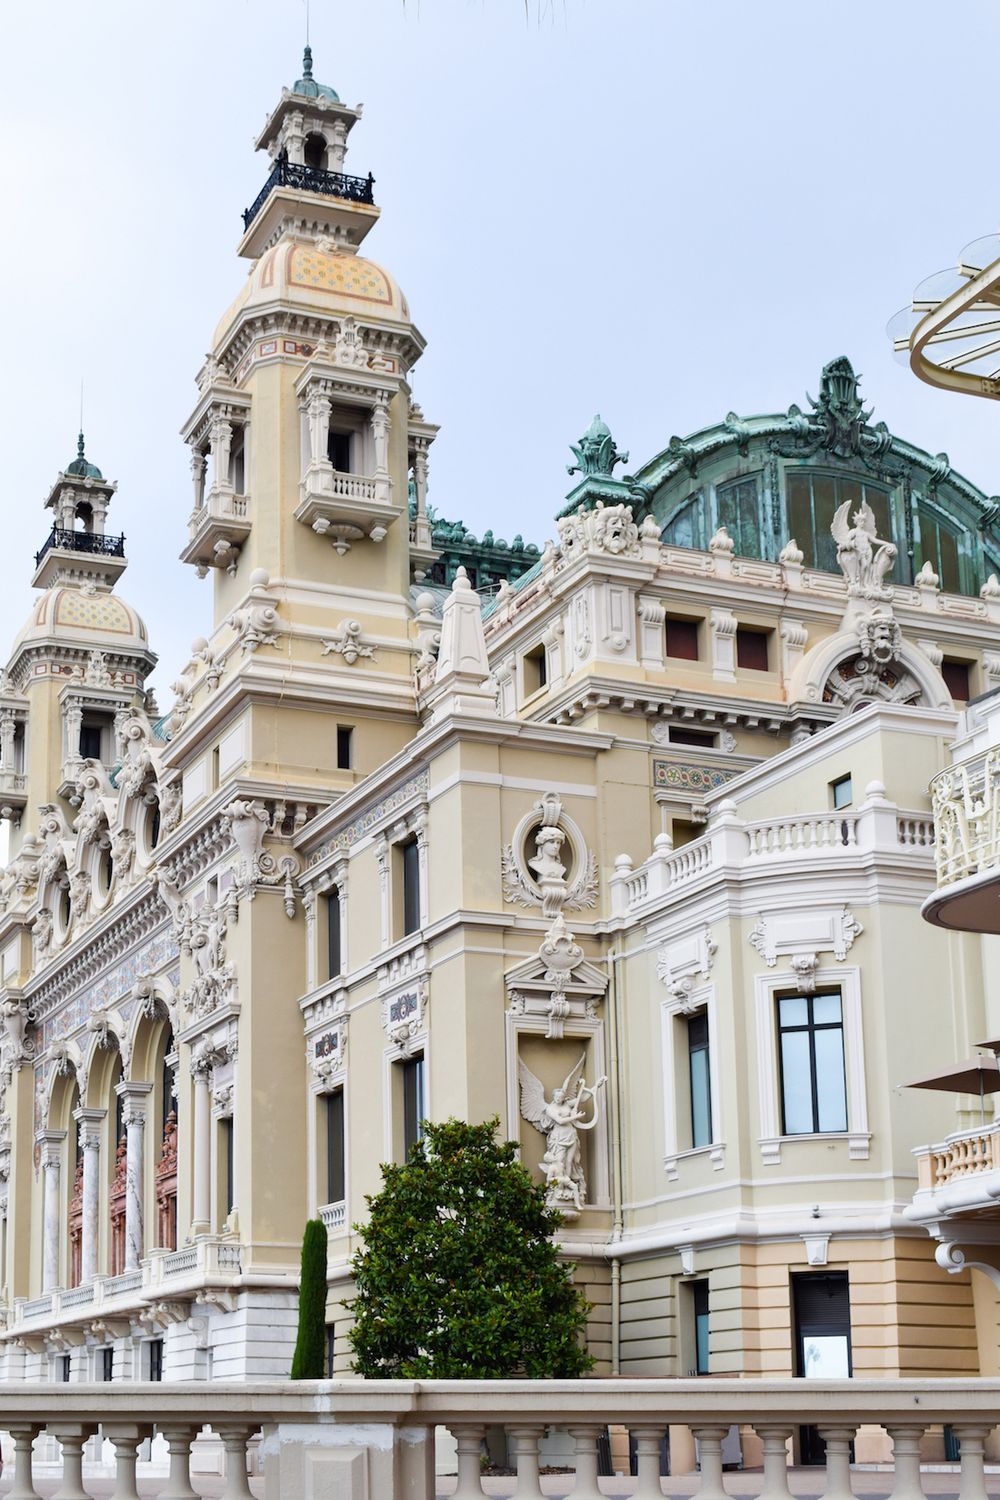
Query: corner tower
(304, 440)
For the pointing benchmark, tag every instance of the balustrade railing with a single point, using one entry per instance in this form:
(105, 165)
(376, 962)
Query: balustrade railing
(358, 1439)
(967, 818)
(963, 1154)
(793, 835)
(334, 1216)
(311, 180)
(352, 486)
(81, 541)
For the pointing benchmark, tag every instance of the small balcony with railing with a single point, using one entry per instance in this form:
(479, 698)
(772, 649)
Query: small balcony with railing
(966, 800)
(346, 492)
(68, 550)
(217, 529)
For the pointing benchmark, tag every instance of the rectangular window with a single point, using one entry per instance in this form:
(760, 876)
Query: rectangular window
(338, 449)
(410, 856)
(334, 958)
(64, 1362)
(751, 648)
(107, 1364)
(956, 679)
(414, 1108)
(682, 638)
(345, 747)
(739, 513)
(813, 1084)
(156, 1359)
(702, 737)
(536, 671)
(700, 1080)
(228, 1163)
(335, 1176)
(841, 792)
(699, 1296)
(330, 1350)
(90, 740)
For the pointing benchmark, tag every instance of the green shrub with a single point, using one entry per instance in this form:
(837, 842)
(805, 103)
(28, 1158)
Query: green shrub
(309, 1360)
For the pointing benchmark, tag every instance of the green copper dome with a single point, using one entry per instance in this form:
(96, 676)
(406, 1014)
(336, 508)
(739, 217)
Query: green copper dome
(80, 468)
(307, 84)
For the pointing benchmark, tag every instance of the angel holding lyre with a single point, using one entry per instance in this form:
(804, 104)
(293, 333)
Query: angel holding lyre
(560, 1119)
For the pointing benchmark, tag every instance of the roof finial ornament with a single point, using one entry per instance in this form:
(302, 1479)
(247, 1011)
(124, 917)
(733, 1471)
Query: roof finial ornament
(307, 62)
(596, 452)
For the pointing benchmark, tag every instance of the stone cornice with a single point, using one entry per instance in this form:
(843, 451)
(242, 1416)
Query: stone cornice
(103, 945)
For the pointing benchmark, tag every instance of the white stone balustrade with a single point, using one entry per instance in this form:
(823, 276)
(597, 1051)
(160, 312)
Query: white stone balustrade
(966, 1153)
(731, 844)
(356, 1439)
(210, 1261)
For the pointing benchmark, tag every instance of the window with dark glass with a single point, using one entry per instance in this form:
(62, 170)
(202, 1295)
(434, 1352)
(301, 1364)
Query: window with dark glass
(411, 885)
(956, 679)
(90, 740)
(414, 1109)
(699, 1078)
(682, 638)
(679, 735)
(345, 747)
(738, 509)
(811, 501)
(813, 1085)
(335, 1154)
(156, 1359)
(338, 450)
(334, 958)
(64, 1366)
(699, 1297)
(536, 672)
(107, 1364)
(751, 648)
(330, 1350)
(229, 1179)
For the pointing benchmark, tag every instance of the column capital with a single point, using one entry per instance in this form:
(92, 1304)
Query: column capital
(50, 1142)
(90, 1122)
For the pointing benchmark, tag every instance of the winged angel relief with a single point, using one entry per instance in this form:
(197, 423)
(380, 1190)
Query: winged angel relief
(560, 1119)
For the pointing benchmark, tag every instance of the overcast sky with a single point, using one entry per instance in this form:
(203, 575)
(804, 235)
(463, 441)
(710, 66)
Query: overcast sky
(662, 210)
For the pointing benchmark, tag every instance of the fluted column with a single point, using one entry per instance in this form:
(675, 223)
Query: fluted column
(51, 1150)
(135, 1097)
(201, 1072)
(380, 439)
(222, 446)
(198, 466)
(90, 1123)
(318, 418)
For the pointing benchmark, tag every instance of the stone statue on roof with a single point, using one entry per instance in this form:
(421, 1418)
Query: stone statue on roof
(863, 557)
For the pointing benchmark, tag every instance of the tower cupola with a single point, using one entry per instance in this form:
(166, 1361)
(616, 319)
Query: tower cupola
(307, 191)
(79, 549)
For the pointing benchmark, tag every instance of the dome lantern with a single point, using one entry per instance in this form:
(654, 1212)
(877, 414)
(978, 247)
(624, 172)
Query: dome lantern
(79, 548)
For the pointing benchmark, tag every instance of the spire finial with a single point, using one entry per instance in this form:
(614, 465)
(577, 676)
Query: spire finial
(307, 62)
(79, 445)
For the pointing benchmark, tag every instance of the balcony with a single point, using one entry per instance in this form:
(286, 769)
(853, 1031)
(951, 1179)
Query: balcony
(13, 794)
(346, 508)
(311, 180)
(61, 545)
(217, 530)
(334, 1216)
(359, 1438)
(732, 846)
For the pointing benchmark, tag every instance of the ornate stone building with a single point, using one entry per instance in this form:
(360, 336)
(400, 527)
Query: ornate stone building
(628, 849)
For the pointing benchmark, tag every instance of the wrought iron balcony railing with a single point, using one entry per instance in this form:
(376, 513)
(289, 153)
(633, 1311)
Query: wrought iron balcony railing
(311, 180)
(82, 541)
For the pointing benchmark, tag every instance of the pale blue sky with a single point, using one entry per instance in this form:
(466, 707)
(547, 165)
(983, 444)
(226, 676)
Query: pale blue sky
(659, 210)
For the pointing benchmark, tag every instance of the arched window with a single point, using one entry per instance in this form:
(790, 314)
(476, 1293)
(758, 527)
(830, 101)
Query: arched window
(315, 151)
(811, 501)
(686, 527)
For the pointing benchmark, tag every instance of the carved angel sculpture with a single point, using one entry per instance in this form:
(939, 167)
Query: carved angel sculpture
(865, 559)
(560, 1119)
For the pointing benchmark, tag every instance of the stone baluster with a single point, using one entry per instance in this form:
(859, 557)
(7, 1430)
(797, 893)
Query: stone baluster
(470, 1443)
(71, 1437)
(971, 1439)
(125, 1438)
(234, 1441)
(709, 1440)
(525, 1442)
(51, 1144)
(906, 1459)
(134, 1097)
(774, 1438)
(586, 1486)
(23, 1438)
(178, 1441)
(647, 1463)
(838, 1442)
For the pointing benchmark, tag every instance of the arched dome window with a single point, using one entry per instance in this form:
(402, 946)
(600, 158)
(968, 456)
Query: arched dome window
(812, 498)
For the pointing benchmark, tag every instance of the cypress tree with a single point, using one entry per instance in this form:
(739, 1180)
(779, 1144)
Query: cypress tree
(309, 1360)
